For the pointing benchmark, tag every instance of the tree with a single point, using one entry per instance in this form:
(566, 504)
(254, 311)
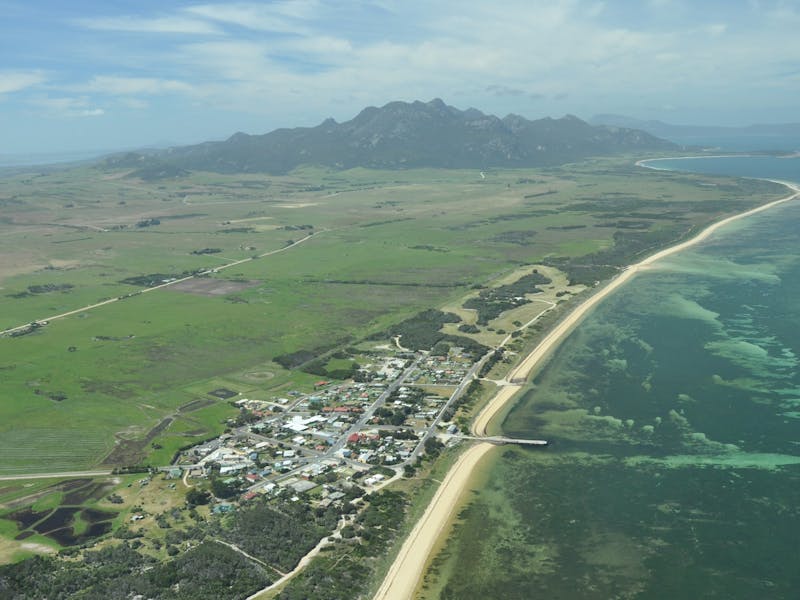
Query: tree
(441, 348)
(221, 489)
(197, 497)
(433, 446)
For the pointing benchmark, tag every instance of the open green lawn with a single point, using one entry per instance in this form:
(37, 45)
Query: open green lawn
(388, 244)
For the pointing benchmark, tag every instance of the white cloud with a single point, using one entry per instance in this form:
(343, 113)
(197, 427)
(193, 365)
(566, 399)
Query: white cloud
(67, 107)
(468, 49)
(323, 46)
(134, 103)
(299, 9)
(173, 24)
(668, 57)
(15, 81)
(252, 16)
(717, 29)
(298, 61)
(227, 60)
(131, 86)
(560, 48)
(783, 11)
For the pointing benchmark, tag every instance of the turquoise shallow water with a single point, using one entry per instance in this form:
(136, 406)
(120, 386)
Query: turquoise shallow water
(765, 167)
(674, 416)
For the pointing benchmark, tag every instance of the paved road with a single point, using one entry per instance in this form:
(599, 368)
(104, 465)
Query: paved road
(454, 397)
(60, 474)
(368, 414)
(158, 287)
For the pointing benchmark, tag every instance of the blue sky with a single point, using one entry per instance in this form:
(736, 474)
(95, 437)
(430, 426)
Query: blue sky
(84, 75)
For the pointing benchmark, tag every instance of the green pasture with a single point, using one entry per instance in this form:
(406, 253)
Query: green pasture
(387, 244)
(13, 490)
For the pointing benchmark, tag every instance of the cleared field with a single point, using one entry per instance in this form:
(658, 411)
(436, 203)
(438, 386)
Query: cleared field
(212, 287)
(47, 450)
(385, 245)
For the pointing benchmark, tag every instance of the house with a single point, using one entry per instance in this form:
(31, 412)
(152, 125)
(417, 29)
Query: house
(313, 470)
(174, 473)
(303, 485)
(372, 480)
(299, 424)
(268, 488)
(234, 466)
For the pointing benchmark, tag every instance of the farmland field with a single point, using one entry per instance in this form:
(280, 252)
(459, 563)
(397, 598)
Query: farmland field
(309, 261)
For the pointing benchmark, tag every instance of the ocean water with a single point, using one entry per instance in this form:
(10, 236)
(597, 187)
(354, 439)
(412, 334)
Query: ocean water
(766, 167)
(674, 416)
(49, 158)
(741, 143)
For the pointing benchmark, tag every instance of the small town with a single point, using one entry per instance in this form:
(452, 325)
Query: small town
(315, 446)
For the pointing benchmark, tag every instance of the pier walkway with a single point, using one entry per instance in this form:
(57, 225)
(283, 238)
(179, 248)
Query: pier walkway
(499, 440)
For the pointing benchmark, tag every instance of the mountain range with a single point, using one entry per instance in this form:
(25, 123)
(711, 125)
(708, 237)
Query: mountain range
(402, 135)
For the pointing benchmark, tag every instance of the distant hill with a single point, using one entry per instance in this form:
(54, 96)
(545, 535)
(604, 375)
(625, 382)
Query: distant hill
(784, 135)
(405, 135)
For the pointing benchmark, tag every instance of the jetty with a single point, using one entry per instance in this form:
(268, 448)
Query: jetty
(499, 440)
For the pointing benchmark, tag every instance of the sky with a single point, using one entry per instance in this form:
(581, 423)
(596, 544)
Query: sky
(119, 74)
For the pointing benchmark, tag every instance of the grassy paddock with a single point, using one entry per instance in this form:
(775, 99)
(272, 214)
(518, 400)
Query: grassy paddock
(388, 244)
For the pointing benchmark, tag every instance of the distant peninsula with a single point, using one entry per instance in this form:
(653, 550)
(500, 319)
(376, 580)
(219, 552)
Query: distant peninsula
(769, 138)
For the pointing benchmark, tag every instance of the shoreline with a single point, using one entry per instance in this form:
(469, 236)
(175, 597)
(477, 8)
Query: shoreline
(554, 337)
(407, 570)
(397, 586)
(643, 162)
(496, 404)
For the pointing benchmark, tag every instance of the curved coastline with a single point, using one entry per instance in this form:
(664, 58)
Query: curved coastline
(644, 162)
(404, 575)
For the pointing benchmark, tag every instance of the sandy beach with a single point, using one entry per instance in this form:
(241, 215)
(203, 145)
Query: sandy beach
(503, 395)
(523, 370)
(408, 568)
